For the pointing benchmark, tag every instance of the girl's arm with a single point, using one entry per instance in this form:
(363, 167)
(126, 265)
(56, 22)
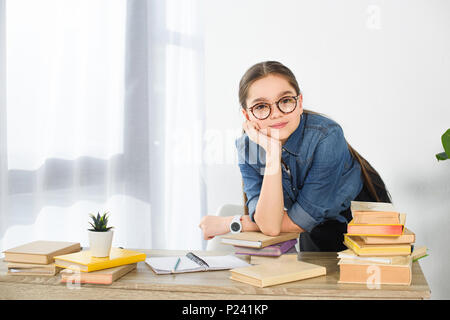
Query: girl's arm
(269, 211)
(215, 226)
(270, 217)
(287, 225)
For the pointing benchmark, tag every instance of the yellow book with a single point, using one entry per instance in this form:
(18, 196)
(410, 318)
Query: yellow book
(269, 274)
(361, 249)
(83, 261)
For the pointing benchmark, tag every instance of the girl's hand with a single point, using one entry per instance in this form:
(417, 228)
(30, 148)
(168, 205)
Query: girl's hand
(214, 226)
(266, 138)
(269, 143)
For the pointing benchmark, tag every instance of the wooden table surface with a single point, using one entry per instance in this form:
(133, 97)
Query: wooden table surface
(143, 283)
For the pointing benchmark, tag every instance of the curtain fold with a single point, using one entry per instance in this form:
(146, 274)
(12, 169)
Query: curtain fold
(99, 120)
(3, 158)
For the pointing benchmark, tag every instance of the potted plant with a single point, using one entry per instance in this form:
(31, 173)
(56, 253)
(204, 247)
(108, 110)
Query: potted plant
(446, 144)
(100, 236)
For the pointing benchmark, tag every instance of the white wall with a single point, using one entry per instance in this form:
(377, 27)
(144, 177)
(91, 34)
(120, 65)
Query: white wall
(379, 68)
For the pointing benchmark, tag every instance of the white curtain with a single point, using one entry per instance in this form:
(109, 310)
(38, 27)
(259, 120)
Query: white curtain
(102, 110)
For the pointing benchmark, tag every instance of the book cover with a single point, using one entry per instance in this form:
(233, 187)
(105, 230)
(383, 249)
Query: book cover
(375, 217)
(365, 229)
(255, 239)
(40, 252)
(351, 271)
(408, 237)
(105, 276)
(371, 206)
(264, 275)
(272, 250)
(356, 244)
(83, 261)
(418, 253)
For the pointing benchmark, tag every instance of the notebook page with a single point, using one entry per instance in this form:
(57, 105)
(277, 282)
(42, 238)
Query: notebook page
(166, 264)
(224, 262)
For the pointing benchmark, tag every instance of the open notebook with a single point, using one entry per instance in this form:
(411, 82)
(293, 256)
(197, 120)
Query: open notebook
(165, 265)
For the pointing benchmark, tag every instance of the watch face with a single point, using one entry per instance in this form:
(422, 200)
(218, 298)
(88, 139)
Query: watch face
(235, 226)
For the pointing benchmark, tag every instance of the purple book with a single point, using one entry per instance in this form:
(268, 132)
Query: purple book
(274, 250)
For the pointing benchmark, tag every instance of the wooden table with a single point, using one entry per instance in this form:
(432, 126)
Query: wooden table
(143, 283)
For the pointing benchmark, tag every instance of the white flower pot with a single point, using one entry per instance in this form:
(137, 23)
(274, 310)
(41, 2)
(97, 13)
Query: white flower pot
(100, 243)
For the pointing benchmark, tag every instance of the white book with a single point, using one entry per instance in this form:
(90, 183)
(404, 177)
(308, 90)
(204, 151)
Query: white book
(350, 255)
(371, 206)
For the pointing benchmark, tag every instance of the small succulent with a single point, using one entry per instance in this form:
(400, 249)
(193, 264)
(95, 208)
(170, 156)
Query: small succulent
(100, 222)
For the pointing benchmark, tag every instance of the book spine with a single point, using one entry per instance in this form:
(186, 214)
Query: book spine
(375, 230)
(284, 247)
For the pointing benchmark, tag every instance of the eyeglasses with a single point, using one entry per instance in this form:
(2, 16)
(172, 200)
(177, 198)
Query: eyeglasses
(286, 105)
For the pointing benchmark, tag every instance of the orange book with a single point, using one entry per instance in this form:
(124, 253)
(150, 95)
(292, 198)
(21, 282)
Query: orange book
(371, 273)
(366, 229)
(105, 276)
(407, 237)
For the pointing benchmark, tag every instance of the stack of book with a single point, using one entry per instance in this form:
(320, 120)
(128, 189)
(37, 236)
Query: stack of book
(273, 258)
(37, 257)
(261, 247)
(380, 247)
(82, 267)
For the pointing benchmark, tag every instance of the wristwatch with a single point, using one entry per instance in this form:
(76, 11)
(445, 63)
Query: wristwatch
(236, 225)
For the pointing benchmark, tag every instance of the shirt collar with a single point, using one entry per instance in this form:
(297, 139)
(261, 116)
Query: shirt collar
(292, 144)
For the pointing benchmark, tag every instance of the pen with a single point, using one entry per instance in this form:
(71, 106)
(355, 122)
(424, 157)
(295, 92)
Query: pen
(176, 265)
(196, 259)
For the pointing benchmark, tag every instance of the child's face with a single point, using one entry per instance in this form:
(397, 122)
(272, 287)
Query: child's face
(271, 89)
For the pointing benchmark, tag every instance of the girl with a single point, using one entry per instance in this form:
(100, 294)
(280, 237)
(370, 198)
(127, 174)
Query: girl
(299, 173)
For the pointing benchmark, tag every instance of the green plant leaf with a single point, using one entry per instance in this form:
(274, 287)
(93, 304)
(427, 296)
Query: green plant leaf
(442, 156)
(446, 141)
(100, 222)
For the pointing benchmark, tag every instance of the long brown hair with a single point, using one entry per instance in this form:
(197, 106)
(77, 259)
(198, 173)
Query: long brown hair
(263, 69)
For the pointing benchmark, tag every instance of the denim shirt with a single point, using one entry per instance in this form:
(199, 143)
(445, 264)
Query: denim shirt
(321, 177)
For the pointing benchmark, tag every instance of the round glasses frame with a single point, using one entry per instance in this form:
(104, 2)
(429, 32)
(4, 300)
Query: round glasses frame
(278, 106)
